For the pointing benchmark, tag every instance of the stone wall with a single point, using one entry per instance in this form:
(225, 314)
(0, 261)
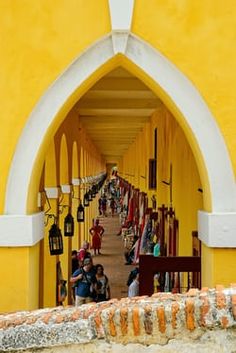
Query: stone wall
(200, 321)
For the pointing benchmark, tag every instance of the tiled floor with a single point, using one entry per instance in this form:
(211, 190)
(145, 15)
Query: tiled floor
(112, 257)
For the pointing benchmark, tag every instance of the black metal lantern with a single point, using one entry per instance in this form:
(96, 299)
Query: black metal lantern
(90, 195)
(69, 225)
(80, 213)
(94, 191)
(55, 240)
(86, 199)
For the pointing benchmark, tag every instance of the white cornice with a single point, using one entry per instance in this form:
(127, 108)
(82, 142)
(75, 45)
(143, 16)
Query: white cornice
(217, 230)
(21, 230)
(52, 192)
(76, 181)
(66, 188)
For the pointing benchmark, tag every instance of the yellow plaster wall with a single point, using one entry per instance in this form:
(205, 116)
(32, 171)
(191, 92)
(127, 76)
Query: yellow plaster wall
(19, 273)
(199, 38)
(38, 41)
(219, 265)
(33, 283)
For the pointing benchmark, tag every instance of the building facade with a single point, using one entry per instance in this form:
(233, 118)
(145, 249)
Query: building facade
(56, 61)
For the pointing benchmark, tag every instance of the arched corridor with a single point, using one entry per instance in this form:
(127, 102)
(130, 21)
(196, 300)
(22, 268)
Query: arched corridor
(122, 97)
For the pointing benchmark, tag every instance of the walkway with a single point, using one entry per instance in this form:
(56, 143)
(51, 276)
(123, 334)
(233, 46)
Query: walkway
(112, 257)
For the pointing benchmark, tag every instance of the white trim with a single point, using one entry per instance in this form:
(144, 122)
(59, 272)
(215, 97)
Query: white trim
(21, 230)
(52, 193)
(217, 229)
(76, 181)
(182, 92)
(66, 188)
(121, 13)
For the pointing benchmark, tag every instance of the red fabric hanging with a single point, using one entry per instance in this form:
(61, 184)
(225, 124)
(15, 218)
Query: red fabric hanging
(130, 210)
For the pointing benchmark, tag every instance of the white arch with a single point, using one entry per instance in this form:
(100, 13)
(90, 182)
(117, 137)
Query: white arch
(180, 90)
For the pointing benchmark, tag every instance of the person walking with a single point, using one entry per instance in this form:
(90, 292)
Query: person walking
(100, 206)
(104, 205)
(112, 206)
(133, 290)
(103, 287)
(86, 282)
(96, 232)
(74, 261)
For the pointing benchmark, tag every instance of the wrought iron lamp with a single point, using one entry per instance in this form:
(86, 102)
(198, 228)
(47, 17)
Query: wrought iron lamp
(55, 240)
(54, 236)
(86, 199)
(94, 190)
(90, 195)
(80, 213)
(69, 225)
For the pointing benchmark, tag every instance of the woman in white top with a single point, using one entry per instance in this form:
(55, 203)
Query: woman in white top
(133, 290)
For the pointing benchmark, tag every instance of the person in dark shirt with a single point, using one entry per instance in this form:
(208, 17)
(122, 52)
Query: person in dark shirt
(74, 261)
(85, 280)
(103, 287)
(74, 267)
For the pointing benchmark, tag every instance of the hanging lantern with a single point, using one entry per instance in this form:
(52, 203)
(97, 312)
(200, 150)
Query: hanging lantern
(80, 213)
(86, 199)
(55, 240)
(69, 225)
(90, 195)
(94, 191)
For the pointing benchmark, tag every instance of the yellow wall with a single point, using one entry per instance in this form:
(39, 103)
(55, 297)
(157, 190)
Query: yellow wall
(198, 37)
(40, 39)
(19, 272)
(172, 147)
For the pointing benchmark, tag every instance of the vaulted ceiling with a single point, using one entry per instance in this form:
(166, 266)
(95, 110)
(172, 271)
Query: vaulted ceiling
(115, 110)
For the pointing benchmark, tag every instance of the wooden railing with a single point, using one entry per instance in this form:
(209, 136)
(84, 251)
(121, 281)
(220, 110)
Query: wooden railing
(174, 266)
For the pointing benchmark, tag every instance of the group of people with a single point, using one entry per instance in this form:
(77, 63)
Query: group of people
(104, 203)
(109, 199)
(89, 282)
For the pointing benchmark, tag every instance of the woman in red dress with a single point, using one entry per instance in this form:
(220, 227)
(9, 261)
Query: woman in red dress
(96, 232)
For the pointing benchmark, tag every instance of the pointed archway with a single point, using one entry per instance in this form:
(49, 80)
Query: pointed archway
(176, 91)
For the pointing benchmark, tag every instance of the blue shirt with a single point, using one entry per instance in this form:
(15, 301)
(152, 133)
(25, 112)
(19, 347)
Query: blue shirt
(82, 288)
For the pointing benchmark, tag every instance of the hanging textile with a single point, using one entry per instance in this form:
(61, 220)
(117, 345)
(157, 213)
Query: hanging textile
(146, 236)
(141, 210)
(130, 216)
(126, 200)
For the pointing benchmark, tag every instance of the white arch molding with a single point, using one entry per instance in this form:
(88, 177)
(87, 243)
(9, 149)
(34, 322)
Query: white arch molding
(181, 92)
